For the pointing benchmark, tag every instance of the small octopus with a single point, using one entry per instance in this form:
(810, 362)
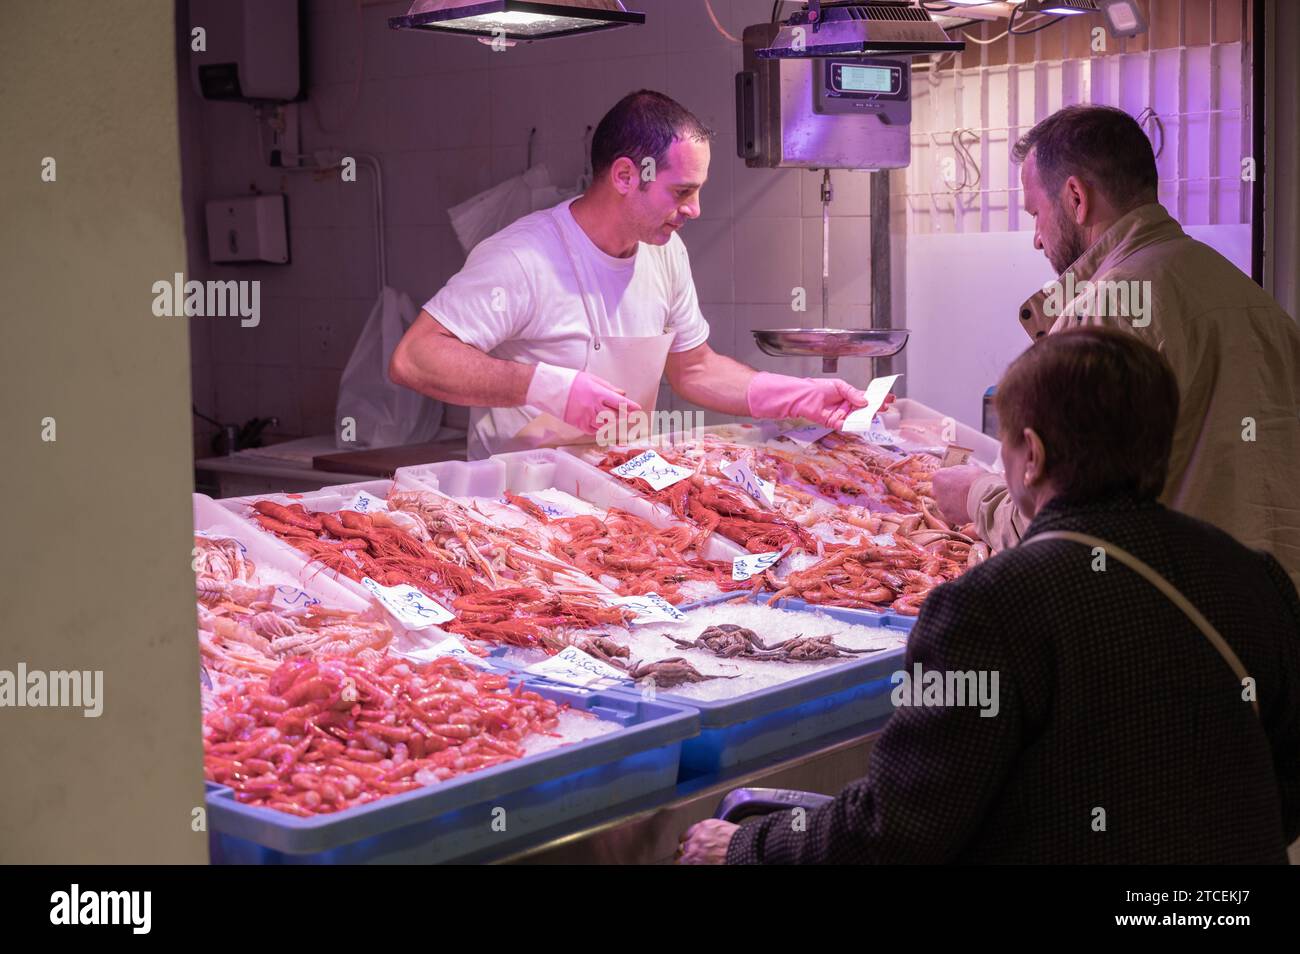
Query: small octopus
(727, 640)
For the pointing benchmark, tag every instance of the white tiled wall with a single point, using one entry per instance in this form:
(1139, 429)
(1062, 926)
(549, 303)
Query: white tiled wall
(447, 117)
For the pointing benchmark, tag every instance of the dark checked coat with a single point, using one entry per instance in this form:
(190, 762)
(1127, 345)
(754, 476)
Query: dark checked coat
(1109, 699)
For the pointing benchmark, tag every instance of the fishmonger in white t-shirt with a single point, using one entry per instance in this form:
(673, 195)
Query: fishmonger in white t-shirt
(577, 311)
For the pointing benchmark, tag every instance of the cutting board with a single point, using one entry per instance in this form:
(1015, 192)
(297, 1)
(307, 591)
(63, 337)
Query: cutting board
(384, 461)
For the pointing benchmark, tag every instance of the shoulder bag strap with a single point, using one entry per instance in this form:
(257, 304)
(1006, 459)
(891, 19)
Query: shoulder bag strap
(1164, 586)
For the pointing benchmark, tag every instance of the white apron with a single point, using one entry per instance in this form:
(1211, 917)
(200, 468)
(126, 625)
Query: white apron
(635, 364)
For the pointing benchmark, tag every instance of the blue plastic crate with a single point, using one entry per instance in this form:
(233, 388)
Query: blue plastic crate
(851, 614)
(443, 822)
(747, 727)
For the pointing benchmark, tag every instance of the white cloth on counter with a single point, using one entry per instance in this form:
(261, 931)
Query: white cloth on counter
(517, 298)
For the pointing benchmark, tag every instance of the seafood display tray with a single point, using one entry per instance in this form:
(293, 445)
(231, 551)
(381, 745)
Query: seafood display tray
(904, 413)
(741, 729)
(442, 822)
(750, 726)
(528, 471)
(211, 518)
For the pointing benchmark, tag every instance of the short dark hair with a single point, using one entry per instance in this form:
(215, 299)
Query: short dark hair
(1104, 404)
(641, 124)
(1102, 145)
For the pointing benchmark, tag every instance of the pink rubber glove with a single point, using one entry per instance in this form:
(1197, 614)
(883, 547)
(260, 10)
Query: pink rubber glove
(588, 397)
(824, 401)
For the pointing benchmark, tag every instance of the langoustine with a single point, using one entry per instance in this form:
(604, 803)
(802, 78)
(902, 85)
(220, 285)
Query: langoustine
(629, 554)
(502, 585)
(846, 556)
(243, 632)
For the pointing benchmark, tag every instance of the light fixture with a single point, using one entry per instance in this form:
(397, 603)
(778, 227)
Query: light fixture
(515, 19)
(1061, 8)
(858, 29)
(1123, 17)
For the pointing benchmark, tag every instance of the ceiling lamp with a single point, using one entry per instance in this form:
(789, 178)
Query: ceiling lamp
(515, 19)
(1061, 8)
(858, 29)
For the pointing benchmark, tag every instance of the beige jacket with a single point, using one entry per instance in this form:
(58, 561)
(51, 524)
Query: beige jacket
(1236, 355)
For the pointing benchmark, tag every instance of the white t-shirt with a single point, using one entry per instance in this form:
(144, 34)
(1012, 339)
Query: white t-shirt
(517, 299)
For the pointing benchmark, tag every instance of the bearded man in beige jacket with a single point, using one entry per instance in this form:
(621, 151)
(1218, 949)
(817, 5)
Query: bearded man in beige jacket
(1089, 180)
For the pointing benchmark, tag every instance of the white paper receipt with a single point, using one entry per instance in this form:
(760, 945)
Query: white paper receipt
(761, 490)
(809, 434)
(859, 422)
(573, 667)
(653, 469)
(451, 646)
(409, 606)
(651, 608)
(752, 564)
(366, 503)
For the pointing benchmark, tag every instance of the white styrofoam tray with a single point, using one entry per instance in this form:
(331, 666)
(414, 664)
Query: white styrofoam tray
(529, 471)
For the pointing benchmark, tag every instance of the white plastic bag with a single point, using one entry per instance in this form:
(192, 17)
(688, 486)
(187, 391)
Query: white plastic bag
(382, 414)
(489, 212)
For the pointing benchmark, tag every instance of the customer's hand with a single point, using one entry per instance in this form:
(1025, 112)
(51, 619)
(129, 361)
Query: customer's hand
(706, 843)
(951, 486)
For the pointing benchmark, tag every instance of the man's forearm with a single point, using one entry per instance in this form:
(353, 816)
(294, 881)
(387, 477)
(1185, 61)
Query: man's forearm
(715, 382)
(443, 367)
(997, 519)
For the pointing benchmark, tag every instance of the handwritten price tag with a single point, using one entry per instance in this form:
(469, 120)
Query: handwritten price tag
(955, 455)
(408, 605)
(859, 422)
(294, 598)
(653, 469)
(761, 490)
(809, 434)
(573, 667)
(550, 503)
(752, 564)
(651, 608)
(877, 433)
(451, 646)
(366, 503)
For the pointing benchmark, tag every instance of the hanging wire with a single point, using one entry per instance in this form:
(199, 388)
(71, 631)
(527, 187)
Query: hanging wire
(1011, 24)
(712, 16)
(965, 159)
(1150, 116)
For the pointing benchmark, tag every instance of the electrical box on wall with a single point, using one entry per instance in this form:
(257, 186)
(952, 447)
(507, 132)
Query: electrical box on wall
(245, 50)
(248, 229)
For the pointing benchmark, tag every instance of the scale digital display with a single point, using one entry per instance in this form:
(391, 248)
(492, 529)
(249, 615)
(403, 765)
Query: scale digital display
(864, 79)
(877, 86)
